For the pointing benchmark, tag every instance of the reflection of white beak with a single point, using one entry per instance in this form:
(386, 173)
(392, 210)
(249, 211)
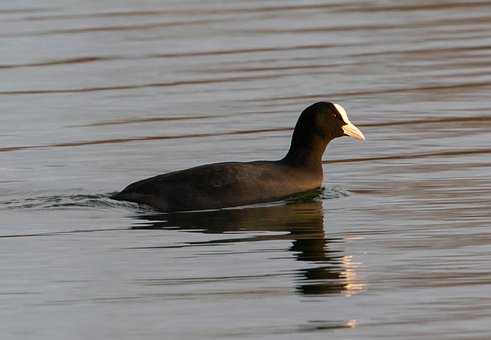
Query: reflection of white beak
(352, 131)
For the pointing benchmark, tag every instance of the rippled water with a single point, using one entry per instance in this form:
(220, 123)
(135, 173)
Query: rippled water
(97, 94)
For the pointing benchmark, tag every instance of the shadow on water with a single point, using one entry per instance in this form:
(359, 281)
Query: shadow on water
(327, 271)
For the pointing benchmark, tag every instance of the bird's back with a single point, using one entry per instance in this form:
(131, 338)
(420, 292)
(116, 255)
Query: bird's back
(220, 185)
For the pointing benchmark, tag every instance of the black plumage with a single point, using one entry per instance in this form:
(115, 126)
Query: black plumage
(229, 184)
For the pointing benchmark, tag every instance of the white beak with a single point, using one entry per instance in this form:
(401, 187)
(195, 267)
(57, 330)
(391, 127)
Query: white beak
(351, 130)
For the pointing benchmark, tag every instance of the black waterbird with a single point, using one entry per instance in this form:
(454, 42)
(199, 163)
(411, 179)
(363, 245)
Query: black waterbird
(228, 184)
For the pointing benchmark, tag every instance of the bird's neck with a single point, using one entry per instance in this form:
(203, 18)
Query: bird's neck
(306, 151)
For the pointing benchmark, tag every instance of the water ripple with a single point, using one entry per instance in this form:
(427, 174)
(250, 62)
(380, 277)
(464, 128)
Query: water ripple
(64, 202)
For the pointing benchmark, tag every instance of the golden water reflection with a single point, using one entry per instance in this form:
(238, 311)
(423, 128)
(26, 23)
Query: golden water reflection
(327, 269)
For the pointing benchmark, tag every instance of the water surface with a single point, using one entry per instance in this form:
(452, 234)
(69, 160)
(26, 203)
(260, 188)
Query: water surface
(95, 95)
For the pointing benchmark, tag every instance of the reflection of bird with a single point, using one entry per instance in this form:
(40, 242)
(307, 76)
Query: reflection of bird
(296, 219)
(237, 183)
(302, 223)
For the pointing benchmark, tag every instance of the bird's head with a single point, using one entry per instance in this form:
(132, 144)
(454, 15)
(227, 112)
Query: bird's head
(330, 120)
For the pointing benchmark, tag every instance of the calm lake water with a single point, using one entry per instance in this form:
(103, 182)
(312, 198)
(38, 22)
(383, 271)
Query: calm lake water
(97, 94)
